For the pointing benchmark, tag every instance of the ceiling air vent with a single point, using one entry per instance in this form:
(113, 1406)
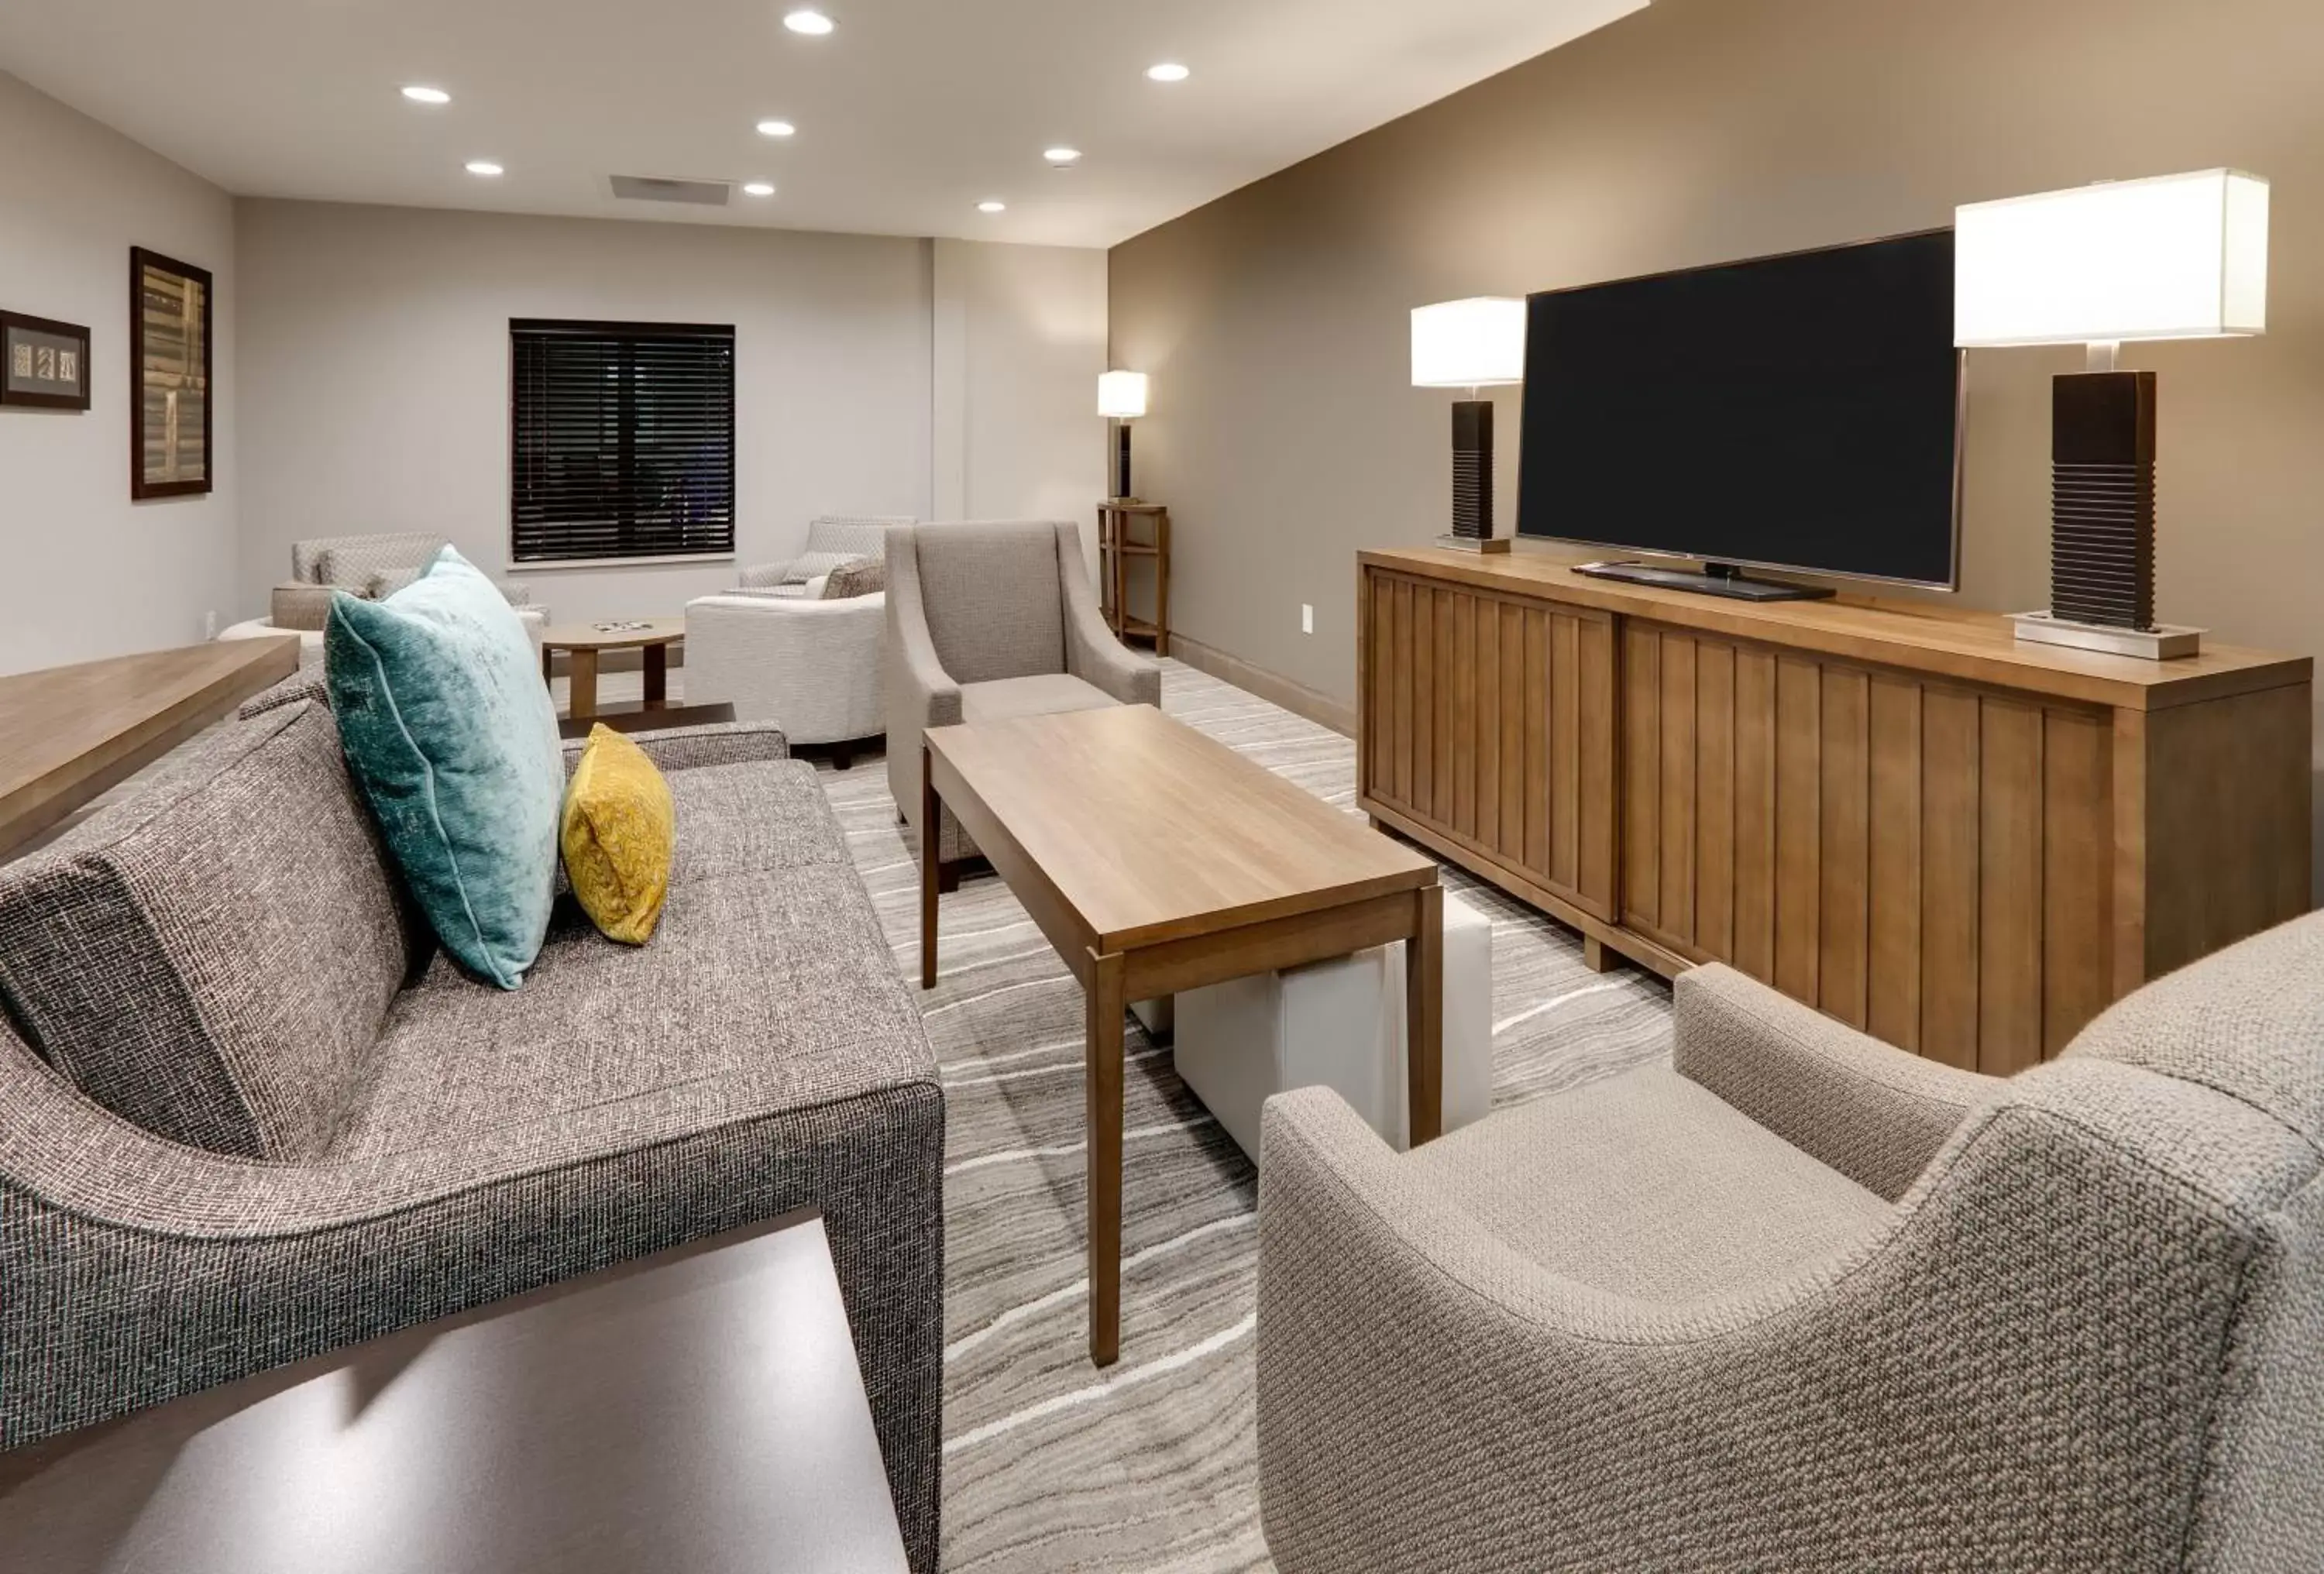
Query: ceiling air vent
(651, 188)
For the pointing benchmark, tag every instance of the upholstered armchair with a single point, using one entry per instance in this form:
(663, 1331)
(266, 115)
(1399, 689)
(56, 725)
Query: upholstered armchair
(987, 620)
(372, 567)
(812, 667)
(831, 541)
(1801, 1301)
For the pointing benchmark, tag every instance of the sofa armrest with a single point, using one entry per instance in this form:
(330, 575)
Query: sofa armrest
(1092, 654)
(685, 748)
(1873, 1112)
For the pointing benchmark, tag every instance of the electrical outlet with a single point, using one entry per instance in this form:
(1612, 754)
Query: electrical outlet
(1306, 618)
(210, 624)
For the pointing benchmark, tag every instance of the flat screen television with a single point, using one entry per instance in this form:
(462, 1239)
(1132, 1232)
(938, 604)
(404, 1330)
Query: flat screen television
(1797, 412)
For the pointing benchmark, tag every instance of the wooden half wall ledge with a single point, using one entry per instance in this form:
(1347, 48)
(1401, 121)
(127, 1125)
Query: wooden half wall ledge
(1891, 811)
(70, 733)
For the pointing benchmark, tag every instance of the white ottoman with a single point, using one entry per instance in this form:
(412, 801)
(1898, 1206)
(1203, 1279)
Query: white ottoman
(1340, 1024)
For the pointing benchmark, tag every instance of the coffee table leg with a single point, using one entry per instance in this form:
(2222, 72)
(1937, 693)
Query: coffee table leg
(582, 668)
(1424, 1022)
(657, 677)
(1103, 1119)
(931, 869)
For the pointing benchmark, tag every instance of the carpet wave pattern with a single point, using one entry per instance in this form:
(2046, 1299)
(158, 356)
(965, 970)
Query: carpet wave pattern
(1050, 1465)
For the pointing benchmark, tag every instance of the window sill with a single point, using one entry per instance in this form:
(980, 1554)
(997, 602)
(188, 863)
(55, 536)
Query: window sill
(559, 565)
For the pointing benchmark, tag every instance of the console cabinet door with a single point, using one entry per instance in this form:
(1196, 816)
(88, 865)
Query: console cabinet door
(1490, 721)
(1929, 862)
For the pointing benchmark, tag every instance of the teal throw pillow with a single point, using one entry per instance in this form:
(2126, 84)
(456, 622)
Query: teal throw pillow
(451, 734)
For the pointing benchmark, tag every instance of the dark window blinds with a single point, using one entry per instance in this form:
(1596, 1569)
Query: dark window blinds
(623, 441)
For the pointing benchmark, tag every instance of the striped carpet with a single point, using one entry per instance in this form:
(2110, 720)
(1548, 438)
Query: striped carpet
(1048, 1465)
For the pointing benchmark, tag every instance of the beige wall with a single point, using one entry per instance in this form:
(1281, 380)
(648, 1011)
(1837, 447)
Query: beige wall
(1020, 336)
(85, 572)
(1284, 436)
(374, 354)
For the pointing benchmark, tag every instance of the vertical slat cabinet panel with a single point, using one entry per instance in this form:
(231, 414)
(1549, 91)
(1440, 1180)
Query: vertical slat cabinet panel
(1893, 965)
(1755, 813)
(1463, 815)
(1953, 777)
(1510, 842)
(1714, 800)
(1675, 847)
(2077, 872)
(1566, 751)
(1599, 724)
(2009, 887)
(1488, 720)
(1538, 783)
(1843, 908)
(1401, 670)
(1380, 713)
(1424, 701)
(1642, 775)
(1798, 827)
(1440, 751)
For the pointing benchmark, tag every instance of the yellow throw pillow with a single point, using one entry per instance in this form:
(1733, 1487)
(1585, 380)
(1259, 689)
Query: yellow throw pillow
(619, 834)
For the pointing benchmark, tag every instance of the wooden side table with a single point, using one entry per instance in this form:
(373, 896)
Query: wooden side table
(1117, 545)
(582, 643)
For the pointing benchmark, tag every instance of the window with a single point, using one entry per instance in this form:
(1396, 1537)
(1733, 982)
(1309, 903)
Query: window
(623, 439)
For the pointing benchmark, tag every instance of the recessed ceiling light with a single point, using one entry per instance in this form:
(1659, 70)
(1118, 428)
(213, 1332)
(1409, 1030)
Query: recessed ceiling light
(990, 207)
(814, 24)
(1062, 155)
(484, 167)
(758, 188)
(418, 94)
(777, 128)
(1167, 71)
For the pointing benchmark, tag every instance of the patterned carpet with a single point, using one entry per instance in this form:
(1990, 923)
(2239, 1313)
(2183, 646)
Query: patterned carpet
(1048, 1465)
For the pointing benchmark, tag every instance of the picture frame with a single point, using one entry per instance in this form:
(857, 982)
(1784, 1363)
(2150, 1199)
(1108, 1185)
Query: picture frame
(169, 343)
(43, 363)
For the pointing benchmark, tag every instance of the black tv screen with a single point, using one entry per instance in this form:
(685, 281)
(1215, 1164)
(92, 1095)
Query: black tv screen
(1794, 413)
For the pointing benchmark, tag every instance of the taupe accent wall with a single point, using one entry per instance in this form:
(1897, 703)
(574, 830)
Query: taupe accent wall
(1274, 321)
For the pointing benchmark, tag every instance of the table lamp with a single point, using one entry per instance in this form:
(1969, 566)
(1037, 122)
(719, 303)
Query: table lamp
(1472, 345)
(2173, 257)
(1121, 399)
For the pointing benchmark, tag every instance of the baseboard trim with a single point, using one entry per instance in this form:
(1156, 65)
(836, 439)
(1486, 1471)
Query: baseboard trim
(1271, 686)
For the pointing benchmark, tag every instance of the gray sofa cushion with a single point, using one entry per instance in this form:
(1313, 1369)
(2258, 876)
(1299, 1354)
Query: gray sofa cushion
(352, 560)
(213, 957)
(992, 597)
(1648, 1185)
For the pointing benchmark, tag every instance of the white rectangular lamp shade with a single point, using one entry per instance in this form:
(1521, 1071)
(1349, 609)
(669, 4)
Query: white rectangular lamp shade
(2174, 257)
(1468, 344)
(1122, 394)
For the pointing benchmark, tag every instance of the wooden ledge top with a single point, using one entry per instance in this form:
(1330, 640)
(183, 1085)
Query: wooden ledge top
(1952, 641)
(1152, 832)
(67, 733)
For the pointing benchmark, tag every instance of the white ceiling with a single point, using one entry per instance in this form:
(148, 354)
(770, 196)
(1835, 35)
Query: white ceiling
(907, 115)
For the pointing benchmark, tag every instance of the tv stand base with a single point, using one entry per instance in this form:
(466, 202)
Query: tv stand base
(1715, 579)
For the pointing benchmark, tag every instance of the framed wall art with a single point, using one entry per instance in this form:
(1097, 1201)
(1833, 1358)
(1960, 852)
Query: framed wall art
(169, 364)
(43, 365)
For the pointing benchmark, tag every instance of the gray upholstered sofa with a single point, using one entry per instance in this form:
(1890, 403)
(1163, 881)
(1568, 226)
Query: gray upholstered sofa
(372, 567)
(1805, 1302)
(988, 621)
(248, 1115)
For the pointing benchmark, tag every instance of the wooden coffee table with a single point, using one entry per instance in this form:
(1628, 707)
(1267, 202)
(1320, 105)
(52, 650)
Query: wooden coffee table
(1156, 859)
(582, 642)
(698, 1411)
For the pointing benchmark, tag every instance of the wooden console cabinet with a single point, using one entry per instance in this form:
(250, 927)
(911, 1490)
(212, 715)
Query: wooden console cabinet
(1891, 811)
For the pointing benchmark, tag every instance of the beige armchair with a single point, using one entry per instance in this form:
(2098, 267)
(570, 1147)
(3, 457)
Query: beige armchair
(1805, 1302)
(987, 620)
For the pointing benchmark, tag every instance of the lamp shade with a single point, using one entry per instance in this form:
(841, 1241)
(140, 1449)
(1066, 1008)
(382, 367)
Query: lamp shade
(1468, 344)
(2174, 257)
(1122, 394)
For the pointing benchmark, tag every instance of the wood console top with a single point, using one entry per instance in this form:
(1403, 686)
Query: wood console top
(1954, 643)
